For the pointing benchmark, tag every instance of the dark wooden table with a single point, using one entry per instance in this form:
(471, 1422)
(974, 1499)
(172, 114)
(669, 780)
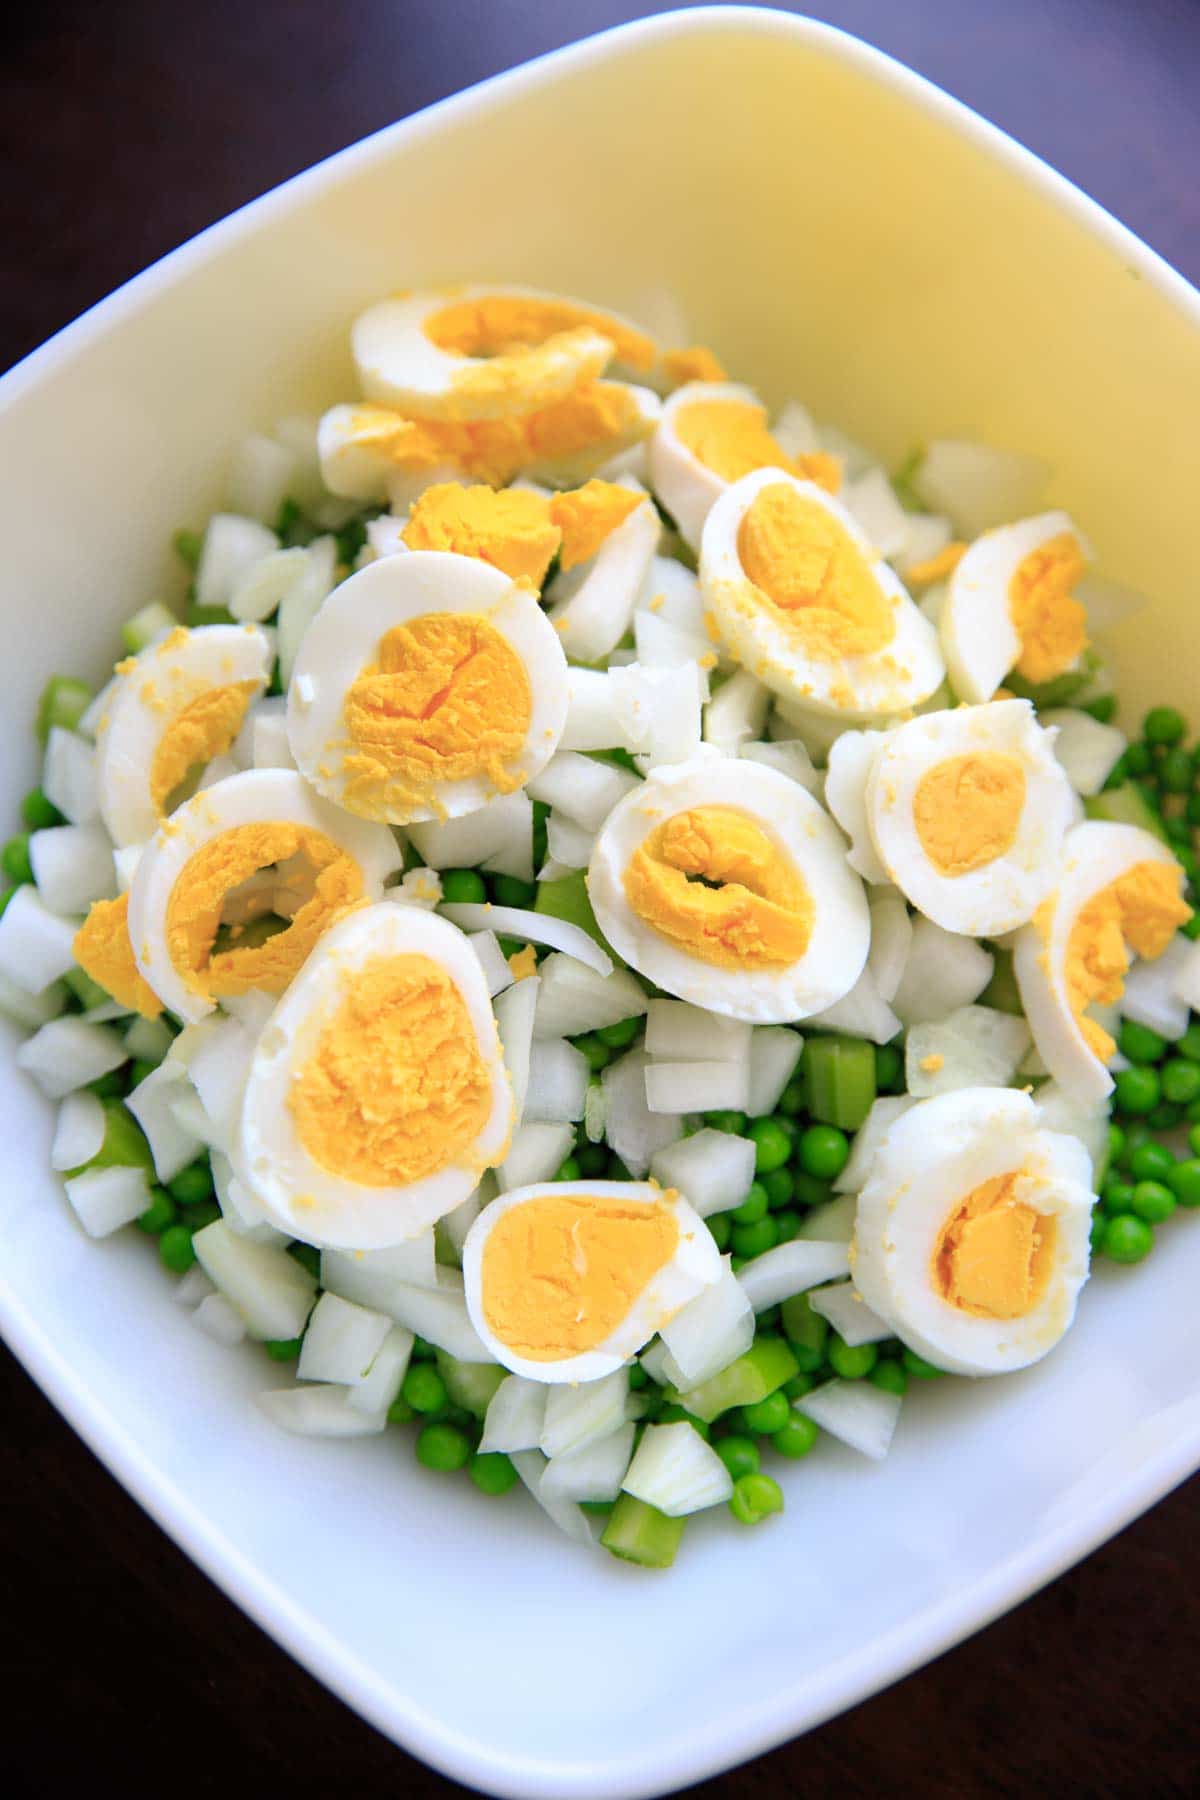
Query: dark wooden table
(125, 129)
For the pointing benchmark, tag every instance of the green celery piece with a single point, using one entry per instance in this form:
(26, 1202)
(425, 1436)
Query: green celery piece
(1001, 991)
(1063, 689)
(146, 625)
(801, 1325)
(208, 615)
(188, 546)
(766, 1365)
(88, 992)
(567, 898)
(1125, 805)
(124, 1144)
(902, 482)
(64, 700)
(840, 1075)
(469, 1385)
(639, 1533)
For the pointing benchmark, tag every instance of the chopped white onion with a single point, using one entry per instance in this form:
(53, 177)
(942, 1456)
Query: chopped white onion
(862, 1013)
(676, 1471)
(371, 1278)
(795, 430)
(595, 1111)
(774, 1053)
(251, 1009)
(1086, 749)
(172, 1144)
(302, 602)
(927, 535)
(791, 1269)
(591, 606)
(534, 927)
(503, 829)
(266, 1286)
(232, 546)
(576, 1413)
(270, 748)
(217, 1059)
(568, 845)
(671, 591)
(260, 478)
(592, 722)
(31, 1010)
(531, 1467)
(492, 961)
(125, 861)
(661, 644)
(375, 1391)
(1152, 996)
(713, 1170)
(536, 1153)
(690, 1087)
(582, 788)
(36, 946)
(68, 1053)
(867, 1140)
(341, 1340)
(790, 756)
(679, 1032)
(79, 1131)
(326, 1411)
(439, 1315)
(266, 584)
(192, 1288)
(979, 486)
(891, 941)
(710, 1332)
(240, 1209)
(831, 1223)
(849, 1314)
(659, 712)
(219, 1320)
(73, 865)
(872, 500)
(574, 999)
(558, 1082)
(149, 1039)
(736, 713)
(514, 1010)
(105, 1199)
(69, 776)
(1186, 972)
(515, 1416)
(593, 1472)
(1059, 1112)
(856, 1412)
(976, 1046)
(943, 972)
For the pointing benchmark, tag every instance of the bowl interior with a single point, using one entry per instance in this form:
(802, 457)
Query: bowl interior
(839, 233)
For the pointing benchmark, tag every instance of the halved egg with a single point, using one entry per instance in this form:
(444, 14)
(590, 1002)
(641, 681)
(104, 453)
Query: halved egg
(1009, 606)
(235, 888)
(473, 353)
(174, 707)
(804, 603)
(710, 435)
(1118, 894)
(427, 684)
(971, 1235)
(519, 530)
(568, 1280)
(727, 884)
(968, 810)
(377, 1093)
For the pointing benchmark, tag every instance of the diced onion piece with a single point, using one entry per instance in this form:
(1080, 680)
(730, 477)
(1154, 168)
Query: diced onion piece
(791, 1269)
(531, 1467)
(105, 1199)
(979, 486)
(341, 1340)
(536, 1153)
(867, 1140)
(492, 961)
(500, 831)
(1059, 1112)
(832, 1223)
(269, 745)
(439, 1315)
(1152, 997)
(976, 1046)
(679, 1032)
(713, 1170)
(260, 478)
(264, 586)
(79, 1131)
(69, 776)
(795, 430)
(582, 788)
(943, 972)
(676, 1471)
(862, 1013)
(927, 534)
(1086, 749)
(591, 606)
(241, 1211)
(232, 546)
(533, 927)
(218, 1065)
(791, 757)
(891, 941)
(736, 713)
(1187, 977)
(689, 1087)
(219, 1321)
(774, 1053)
(302, 602)
(192, 1288)
(125, 861)
(671, 591)
(630, 1128)
(661, 644)
(268, 1288)
(711, 1331)
(872, 500)
(592, 721)
(595, 1471)
(326, 1411)
(454, 1225)
(575, 1414)
(568, 845)
(149, 1039)
(31, 1010)
(172, 1145)
(514, 1010)
(574, 999)
(856, 1412)
(68, 1053)
(375, 1391)
(515, 1416)
(849, 1314)
(73, 865)
(558, 1082)
(659, 712)
(656, 1361)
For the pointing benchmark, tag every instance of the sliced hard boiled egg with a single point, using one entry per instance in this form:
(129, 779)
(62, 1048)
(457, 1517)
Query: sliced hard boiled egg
(173, 708)
(568, 1280)
(725, 883)
(519, 530)
(1009, 606)
(377, 1093)
(427, 684)
(1118, 894)
(235, 888)
(968, 810)
(711, 433)
(804, 603)
(971, 1234)
(484, 353)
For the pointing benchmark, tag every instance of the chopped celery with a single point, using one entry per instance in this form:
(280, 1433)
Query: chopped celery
(1125, 805)
(208, 615)
(63, 702)
(188, 545)
(469, 1385)
(124, 1143)
(840, 1076)
(567, 899)
(86, 991)
(806, 1331)
(765, 1366)
(1001, 991)
(1062, 689)
(639, 1533)
(150, 623)
(902, 482)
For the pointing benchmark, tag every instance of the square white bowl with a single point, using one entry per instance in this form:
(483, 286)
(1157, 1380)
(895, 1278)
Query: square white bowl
(842, 231)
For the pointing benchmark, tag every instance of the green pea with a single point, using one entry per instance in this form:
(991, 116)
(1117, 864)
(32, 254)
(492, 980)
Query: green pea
(443, 1447)
(1138, 760)
(1179, 832)
(598, 1055)
(720, 1227)
(798, 1386)
(463, 886)
(1103, 708)
(1153, 1201)
(159, 1214)
(620, 1035)
(1137, 1090)
(1127, 1239)
(889, 1375)
(38, 813)
(811, 1192)
(795, 1437)
(791, 1101)
(491, 1472)
(568, 1170)
(1117, 1195)
(1175, 772)
(193, 1184)
(889, 1069)
(421, 1351)
(1116, 1143)
(779, 1188)
(1184, 1179)
(1165, 1116)
(727, 1120)
(787, 1224)
(400, 1412)
(754, 1207)
(1163, 725)
(1192, 810)
(1191, 927)
(739, 1454)
(308, 1256)
(1189, 1044)
(1180, 1081)
(918, 1367)
(1151, 1162)
(1139, 1043)
(754, 1497)
(592, 1158)
(14, 859)
(424, 1388)
(752, 1240)
(772, 1145)
(767, 1416)
(823, 1151)
(508, 890)
(1097, 1229)
(283, 1350)
(1194, 1140)
(851, 1361)
(616, 1170)
(176, 1249)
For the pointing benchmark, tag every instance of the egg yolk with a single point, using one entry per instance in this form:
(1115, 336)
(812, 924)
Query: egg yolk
(505, 324)
(714, 882)
(812, 576)
(561, 1271)
(204, 728)
(396, 1088)
(601, 417)
(731, 438)
(967, 809)
(195, 910)
(588, 514)
(103, 951)
(995, 1254)
(697, 363)
(1051, 625)
(448, 698)
(511, 530)
(1141, 909)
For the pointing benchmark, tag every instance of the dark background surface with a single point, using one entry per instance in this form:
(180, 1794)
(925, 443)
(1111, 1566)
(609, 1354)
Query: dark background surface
(126, 128)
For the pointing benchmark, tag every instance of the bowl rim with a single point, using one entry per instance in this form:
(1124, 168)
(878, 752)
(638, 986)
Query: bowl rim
(807, 1701)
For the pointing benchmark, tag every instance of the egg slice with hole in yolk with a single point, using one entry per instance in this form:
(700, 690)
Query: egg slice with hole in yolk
(567, 1280)
(1009, 606)
(971, 1235)
(234, 889)
(477, 353)
(726, 884)
(427, 685)
(803, 602)
(710, 435)
(968, 811)
(174, 707)
(377, 1093)
(1118, 894)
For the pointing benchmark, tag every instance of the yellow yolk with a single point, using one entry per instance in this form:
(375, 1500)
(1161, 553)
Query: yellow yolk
(1051, 625)
(713, 882)
(561, 1271)
(731, 438)
(396, 1088)
(219, 867)
(448, 698)
(506, 324)
(697, 363)
(512, 530)
(587, 515)
(994, 1256)
(813, 576)
(1142, 910)
(523, 963)
(103, 951)
(935, 568)
(967, 809)
(203, 729)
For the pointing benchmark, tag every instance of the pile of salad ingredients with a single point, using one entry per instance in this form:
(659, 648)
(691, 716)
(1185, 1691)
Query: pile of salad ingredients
(610, 930)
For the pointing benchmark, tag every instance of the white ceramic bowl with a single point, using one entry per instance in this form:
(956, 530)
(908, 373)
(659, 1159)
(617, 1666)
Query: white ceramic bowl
(840, 230)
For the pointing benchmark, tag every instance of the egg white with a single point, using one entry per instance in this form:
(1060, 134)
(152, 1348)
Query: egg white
(979, 640)
(688, 488)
